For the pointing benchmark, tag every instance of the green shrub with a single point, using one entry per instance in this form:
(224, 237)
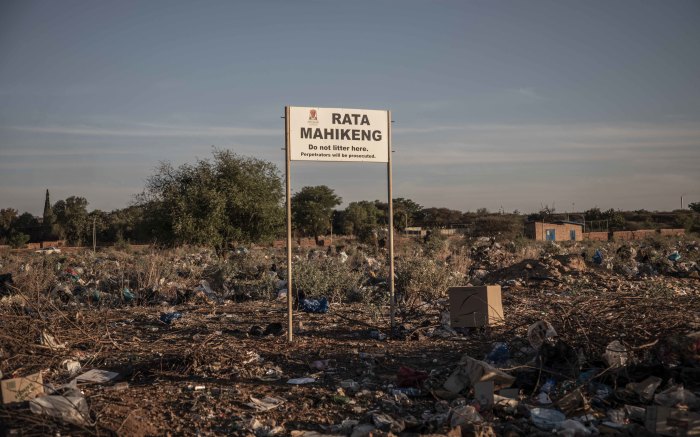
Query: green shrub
(325, 277)
(17, 239)
(422, 279)
(435, 242)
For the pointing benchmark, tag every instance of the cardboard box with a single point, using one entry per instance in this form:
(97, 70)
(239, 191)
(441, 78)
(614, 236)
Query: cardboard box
(22, 389)
(475, 306)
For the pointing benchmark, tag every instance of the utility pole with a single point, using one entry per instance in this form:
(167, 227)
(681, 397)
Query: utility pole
(94, 235)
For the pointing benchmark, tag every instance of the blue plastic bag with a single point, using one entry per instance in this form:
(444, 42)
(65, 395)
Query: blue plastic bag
(499, 355)
(128, 295)
(598, 257)
(315, 305)
(168, 318)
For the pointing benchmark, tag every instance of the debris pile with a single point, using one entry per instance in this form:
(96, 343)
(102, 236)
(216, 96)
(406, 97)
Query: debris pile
(594, 340)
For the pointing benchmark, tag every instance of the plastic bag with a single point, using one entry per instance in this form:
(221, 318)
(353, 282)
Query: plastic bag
(71, 409)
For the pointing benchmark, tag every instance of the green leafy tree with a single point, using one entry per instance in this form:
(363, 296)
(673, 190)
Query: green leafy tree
(72, 219)
(17, 239)
(312, 209)
(362, 219)
(405, 212)
(616, 220)
(230, 198)
(49, 229)
(122, 224)
(360, 215)
(436, 217)
(8, 216)
(25, 222)
(434, 242)
(546, 213)
(48, 212)
(695, 206)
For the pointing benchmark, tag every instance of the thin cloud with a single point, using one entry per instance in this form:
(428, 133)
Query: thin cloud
(49, 152)
(149, 130)
(549, 143)
(529, 92)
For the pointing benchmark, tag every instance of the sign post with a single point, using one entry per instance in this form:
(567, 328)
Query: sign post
(337, 135)
(390, 189)
(288, 184)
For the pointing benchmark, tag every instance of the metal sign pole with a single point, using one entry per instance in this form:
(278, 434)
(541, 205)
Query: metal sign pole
(310, 125)
(287, 166)
(391, 225)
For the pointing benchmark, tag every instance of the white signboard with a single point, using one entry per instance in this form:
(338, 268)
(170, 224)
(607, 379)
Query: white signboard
(335, 134)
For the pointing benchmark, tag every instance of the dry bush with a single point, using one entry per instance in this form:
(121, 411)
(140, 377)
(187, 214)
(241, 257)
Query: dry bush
(248, 275)
(435, 244)
(420, 278)
(35, 275)
(325, 277)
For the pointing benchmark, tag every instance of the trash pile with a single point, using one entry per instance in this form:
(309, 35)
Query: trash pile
(593, 339)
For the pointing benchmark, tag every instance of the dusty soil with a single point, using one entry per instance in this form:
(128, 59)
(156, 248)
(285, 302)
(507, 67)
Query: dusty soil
(196, 375)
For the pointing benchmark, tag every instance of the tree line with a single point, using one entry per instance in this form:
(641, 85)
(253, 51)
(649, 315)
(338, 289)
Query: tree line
(236, 199)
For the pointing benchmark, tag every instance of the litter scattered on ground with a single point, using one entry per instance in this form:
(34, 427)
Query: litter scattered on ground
(315, 305)
(70, 409)
(580, 348)
(96, 376)
(300, 381)
(22, 388)
(265, 404)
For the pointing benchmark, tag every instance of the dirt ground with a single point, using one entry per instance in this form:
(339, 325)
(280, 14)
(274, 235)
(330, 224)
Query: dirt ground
(203, 373)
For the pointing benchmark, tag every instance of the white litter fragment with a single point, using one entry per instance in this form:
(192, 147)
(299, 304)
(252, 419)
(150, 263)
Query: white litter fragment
(71, 409)
(265, 404)
(96, 376)
(299, 381)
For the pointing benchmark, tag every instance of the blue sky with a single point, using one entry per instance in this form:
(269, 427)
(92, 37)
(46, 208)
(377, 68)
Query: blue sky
(496, 104)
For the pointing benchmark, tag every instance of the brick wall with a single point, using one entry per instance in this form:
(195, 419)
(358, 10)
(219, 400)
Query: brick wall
(57, 243)
(596, 236)
(672, 232)
(622, 236)
(643, 233)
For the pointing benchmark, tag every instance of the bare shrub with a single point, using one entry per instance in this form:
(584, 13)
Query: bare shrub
(422, 279)
(325, 277)
(435, 243)
(36, 276)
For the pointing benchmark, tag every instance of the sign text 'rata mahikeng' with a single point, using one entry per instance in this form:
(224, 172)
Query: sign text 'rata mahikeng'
(336, 134)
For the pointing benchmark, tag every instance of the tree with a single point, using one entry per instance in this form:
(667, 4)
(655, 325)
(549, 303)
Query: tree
(48, 212)
(594, 214)
(436, 217)
(8, 216)
(26, 221)
(121, 224)
(616, 220)
(17, 239)
(312, 209)
(695, 206)
(546, 213)
(72, 219)
(406, 212)
(361, 219)
(231, 198)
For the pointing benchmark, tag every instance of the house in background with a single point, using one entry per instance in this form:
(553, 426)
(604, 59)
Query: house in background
(554, 231)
